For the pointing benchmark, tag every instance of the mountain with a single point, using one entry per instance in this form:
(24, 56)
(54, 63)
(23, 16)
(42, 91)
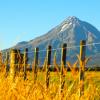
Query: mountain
(71, 31)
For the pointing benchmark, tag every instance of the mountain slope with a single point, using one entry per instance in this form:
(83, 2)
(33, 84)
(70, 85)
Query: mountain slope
(70, 31)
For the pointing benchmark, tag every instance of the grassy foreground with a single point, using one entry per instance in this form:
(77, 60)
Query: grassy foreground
(27, 90)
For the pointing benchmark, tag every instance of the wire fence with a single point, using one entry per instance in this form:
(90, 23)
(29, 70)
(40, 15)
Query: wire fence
(92, 50)
(86, 55)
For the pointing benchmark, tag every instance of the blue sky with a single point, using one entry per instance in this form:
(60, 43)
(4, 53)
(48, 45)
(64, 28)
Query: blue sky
(23, 20)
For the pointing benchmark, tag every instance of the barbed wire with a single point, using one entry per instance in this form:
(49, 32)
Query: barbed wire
(68, 47)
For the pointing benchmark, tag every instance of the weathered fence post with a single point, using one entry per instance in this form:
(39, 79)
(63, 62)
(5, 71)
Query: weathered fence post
(25, 62)
(63, 64)
(35, 64)
(12, 63)
(6, 63)
(18, 60)
(48, 65)
(82, 66)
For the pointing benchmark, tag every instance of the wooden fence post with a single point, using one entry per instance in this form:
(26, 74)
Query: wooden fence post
(82, 66)
(25, 62)
(63, 64)
(12, 63)
(6, 63)
(18, 60)
(35, 63)
(48, 65)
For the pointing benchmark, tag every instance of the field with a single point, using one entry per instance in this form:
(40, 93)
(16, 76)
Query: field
(20, 89)
(50, 82)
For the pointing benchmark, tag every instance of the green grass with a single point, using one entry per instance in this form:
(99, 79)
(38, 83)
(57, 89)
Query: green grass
(55, 77)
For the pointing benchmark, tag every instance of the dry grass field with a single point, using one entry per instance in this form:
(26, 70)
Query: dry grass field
(43, 84)
(20, 89)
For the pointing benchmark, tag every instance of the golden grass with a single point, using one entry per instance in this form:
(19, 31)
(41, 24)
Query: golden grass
(27, 90)
(20, 89)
